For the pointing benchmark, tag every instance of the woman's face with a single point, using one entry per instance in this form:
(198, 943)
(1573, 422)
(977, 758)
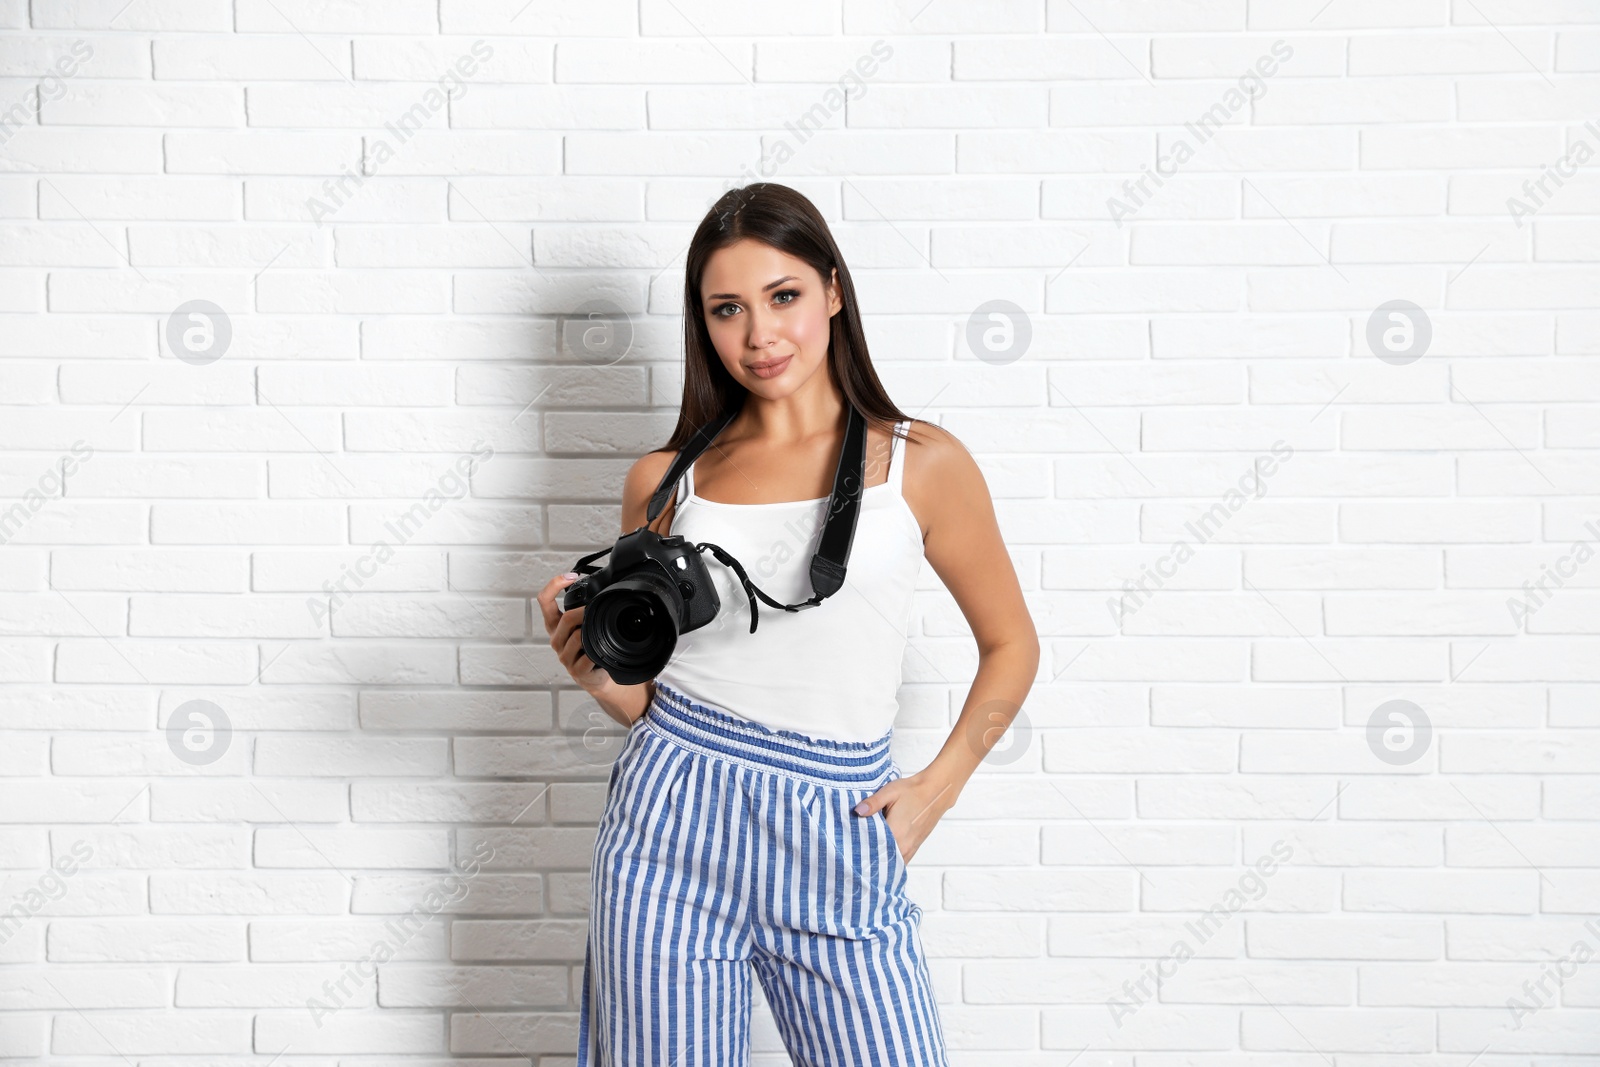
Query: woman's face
(769, 316)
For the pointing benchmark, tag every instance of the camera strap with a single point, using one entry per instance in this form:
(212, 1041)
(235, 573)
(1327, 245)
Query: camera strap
(828, 564)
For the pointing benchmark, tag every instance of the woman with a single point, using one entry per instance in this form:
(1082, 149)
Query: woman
(742, 830)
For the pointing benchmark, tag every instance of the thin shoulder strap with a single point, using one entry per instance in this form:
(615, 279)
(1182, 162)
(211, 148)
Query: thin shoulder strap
(897, 460)
(688, 483)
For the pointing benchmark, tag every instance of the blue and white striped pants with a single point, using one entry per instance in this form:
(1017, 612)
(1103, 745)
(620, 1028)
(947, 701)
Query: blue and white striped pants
(727, 848)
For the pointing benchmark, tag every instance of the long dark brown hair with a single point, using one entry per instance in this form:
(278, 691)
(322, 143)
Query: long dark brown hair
(779, 216)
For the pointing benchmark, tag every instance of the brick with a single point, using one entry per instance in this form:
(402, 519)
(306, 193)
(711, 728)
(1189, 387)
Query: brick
(255, 58)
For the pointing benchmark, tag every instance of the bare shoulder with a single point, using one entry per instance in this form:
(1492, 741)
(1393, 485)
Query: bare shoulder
(941, 477)
(932, 439)
(643, 477)
(963, 543)
(935, 453)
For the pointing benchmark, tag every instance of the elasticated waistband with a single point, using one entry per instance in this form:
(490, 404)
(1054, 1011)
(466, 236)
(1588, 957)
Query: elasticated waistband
(714, 732)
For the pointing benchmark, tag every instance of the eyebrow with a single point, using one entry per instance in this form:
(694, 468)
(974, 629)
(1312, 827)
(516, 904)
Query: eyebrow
(764, 288)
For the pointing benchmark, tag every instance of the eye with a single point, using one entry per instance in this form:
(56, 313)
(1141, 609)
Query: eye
(792, 294)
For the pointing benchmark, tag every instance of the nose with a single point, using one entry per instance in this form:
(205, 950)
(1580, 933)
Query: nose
(763, 329)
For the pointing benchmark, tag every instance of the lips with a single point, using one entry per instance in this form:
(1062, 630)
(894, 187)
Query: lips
(769, 368)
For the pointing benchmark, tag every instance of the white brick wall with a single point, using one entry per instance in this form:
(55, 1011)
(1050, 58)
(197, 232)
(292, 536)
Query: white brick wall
(1198, 205)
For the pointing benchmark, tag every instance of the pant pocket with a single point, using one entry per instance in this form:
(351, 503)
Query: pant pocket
(894, 843)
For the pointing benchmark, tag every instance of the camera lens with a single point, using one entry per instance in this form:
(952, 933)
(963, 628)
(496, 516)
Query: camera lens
(631, 627)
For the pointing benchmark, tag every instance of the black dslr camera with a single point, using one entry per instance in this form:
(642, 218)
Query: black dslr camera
(653, 589)
(656, 588)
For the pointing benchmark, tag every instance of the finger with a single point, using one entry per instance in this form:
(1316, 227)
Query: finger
(547, 599)
(562, 622)
(547, 602)
(872, 803)
(569, 624)
(572, 650)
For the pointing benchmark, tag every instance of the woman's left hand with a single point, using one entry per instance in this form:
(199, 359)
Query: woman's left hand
(913, 805)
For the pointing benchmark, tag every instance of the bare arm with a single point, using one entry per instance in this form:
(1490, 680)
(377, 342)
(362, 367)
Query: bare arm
(624, 703)
(962, 543)
(965, 548)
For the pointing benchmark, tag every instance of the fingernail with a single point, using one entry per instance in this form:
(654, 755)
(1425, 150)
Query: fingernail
(861, 808)
(570, 574)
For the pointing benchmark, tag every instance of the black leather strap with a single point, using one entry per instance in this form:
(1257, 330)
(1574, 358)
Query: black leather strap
(685, 459)
(844, 507)
(828, 565)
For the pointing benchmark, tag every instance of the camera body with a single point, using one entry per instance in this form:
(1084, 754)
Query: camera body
(652, 590)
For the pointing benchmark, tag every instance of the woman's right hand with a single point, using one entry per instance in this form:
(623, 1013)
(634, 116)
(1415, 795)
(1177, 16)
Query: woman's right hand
(566, 635)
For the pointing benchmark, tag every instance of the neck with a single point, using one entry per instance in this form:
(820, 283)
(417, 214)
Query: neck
(816, 409)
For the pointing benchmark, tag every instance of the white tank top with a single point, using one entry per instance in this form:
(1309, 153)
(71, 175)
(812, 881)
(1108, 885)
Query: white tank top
(831, 671)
